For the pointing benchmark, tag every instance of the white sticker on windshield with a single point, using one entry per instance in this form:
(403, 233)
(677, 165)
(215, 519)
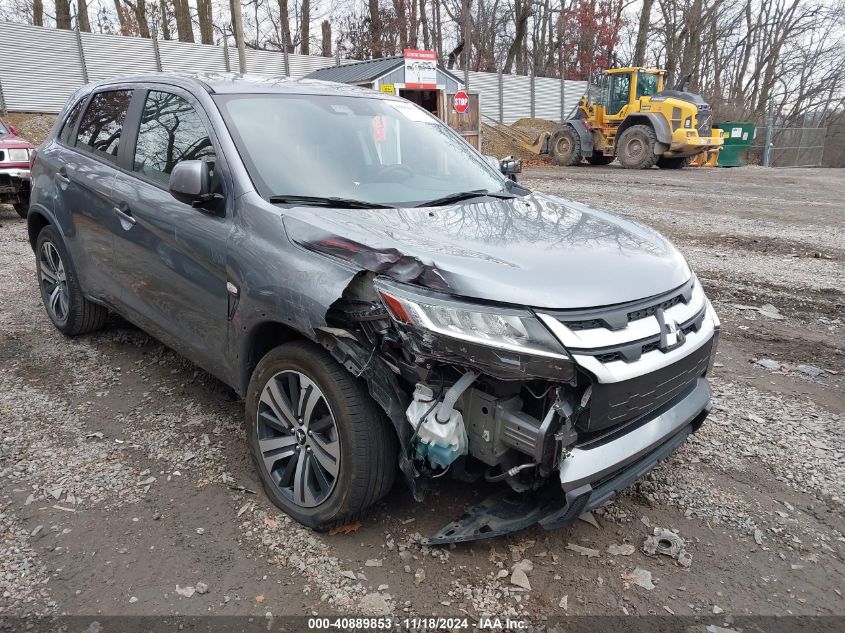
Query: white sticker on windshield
(411, 111)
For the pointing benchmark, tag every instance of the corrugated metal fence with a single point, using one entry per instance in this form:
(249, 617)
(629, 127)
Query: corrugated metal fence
(49, 64)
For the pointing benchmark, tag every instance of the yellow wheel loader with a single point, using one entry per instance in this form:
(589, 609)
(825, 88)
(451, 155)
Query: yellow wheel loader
(629, 116)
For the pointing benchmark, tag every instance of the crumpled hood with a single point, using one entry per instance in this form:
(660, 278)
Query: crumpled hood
(539, 251)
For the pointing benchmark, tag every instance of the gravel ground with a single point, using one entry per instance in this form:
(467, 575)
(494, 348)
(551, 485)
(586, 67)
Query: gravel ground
(125, 486)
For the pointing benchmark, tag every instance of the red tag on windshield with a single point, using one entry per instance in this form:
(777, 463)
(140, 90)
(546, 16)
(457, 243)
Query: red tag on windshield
(380, 128)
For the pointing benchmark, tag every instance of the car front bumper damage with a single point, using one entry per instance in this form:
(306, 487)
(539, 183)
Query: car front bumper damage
(589, 475)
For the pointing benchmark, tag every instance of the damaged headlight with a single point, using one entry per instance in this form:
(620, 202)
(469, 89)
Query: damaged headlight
(516, 339)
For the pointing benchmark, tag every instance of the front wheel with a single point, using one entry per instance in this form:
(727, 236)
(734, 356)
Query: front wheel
(22, 209)
(323, 449)
(635, 149)
(565, 147)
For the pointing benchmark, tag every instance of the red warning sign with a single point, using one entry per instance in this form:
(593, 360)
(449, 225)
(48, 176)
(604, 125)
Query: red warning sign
(460, 102)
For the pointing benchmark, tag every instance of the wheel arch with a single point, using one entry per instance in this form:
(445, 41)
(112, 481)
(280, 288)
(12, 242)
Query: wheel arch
(35, 223)
(586, 136)
(654, 121)
(258, 340)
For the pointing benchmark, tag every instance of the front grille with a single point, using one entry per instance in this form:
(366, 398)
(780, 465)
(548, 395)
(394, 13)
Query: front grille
(705, 121)
(633, 351)
(617, 317)
(619, 402)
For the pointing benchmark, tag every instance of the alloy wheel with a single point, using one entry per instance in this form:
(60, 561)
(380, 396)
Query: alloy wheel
(53, 279)
(298, 438)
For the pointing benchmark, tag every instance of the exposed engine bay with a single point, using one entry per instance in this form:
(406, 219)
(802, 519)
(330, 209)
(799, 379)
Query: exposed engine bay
(489, 395)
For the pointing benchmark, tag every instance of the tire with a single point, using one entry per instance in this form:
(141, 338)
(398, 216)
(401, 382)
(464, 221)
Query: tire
(565, 147)
(22, 209)
(290, 451)
(600, 159)
(672, 162)
(66, 306)
(635, 148)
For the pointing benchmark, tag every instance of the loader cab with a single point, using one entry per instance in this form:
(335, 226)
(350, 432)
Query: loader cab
(623, 86)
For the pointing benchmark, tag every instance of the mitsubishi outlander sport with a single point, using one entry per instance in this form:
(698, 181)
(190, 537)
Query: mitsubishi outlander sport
(382, 297)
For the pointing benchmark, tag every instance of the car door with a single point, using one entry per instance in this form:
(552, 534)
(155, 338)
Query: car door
(170, 256)
(83, 163)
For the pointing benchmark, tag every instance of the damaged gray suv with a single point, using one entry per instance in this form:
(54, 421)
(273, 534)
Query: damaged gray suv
(385, 301)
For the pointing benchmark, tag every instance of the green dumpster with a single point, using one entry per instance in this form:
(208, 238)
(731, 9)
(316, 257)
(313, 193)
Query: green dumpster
(738, 138)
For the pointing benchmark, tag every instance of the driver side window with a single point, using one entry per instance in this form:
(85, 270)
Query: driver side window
(620, 87)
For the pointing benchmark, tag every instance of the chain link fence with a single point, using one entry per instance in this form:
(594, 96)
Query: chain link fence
(790, 147)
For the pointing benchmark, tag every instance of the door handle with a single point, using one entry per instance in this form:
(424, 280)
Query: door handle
(125, 214)
(62, 175)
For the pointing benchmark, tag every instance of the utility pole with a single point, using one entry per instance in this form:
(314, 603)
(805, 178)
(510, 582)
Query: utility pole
(238, 28)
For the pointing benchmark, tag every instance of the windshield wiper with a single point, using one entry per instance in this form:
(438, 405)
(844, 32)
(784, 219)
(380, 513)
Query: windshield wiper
(318, 201)
(465, 195)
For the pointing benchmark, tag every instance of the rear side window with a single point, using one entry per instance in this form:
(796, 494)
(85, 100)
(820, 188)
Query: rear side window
(102, 123)
(70, 122)
(171, 131)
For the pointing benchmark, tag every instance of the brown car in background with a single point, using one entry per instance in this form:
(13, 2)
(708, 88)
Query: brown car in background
(15, 155)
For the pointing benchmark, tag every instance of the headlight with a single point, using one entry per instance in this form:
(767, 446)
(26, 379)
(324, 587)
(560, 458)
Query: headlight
(510, 329)
(19, 155)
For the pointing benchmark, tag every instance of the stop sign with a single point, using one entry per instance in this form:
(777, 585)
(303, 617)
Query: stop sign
(460, 102)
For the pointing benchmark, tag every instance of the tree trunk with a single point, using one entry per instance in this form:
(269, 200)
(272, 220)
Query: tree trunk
(642, 34)
(284, 17)
(521, 13)
(82, 15)
(305, 44)
(183, 21)
(206, 21)
(375, 28)
(121, 17)
(438, 33)
(402, 19)
(238, 28)
(424, 23)
(165, 19)
(63, 14)
(327, 38)
(38, 12)
(141, 17)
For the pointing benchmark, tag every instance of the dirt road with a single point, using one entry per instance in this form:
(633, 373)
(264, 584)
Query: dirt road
(126, 488)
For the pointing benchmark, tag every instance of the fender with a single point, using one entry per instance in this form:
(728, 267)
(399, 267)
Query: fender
(658, 123)
(586, 136)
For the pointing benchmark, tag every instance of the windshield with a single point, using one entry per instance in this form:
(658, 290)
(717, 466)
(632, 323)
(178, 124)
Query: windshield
(373, 150)
(646, 84)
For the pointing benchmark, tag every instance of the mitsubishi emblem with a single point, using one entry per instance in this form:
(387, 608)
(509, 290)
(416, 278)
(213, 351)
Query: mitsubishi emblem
(671, 336)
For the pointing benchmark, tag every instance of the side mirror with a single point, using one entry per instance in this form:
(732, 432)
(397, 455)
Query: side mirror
(13, 130)
(510, 166)
(190, 182)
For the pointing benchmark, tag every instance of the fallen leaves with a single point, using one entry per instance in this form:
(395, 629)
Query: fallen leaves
(348, 528)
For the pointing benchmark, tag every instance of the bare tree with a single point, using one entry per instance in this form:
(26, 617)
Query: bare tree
(376, 32)
(305, 28)
(82, 16)
(206, 22)
(62, 14)
(141, 18)
(326, 47)
(642, 33)
(184, 27)
(38, 12)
